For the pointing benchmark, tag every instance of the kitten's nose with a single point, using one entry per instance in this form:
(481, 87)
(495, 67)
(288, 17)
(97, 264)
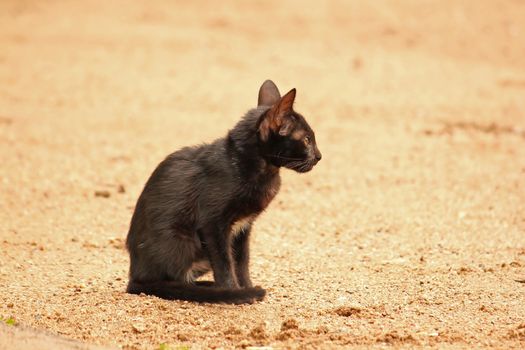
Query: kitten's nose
(318, 155)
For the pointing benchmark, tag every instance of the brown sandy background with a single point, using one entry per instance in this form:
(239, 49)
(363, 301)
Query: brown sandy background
(409, 234)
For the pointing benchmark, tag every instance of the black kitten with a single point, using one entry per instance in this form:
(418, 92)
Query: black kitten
(198, 206)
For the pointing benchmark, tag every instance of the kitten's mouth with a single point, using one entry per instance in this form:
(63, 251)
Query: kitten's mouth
(302, 166)
(297, 164)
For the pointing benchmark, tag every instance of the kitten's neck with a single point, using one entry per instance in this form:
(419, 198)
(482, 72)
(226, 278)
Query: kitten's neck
(243, 146)
(246, 156)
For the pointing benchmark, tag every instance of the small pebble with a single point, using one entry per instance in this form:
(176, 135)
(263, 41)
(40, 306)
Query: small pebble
(102, 193)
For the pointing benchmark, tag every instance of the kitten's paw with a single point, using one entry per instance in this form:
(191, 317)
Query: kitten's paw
(258, 293)
(251, 295)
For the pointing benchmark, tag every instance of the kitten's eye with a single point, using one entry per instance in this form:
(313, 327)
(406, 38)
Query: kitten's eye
(306, 140)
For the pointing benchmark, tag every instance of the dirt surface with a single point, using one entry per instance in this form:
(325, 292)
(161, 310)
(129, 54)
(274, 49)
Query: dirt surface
(410, 233)
(26, 338)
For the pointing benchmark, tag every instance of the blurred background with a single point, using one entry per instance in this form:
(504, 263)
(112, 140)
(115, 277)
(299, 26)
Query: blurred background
(418, 108)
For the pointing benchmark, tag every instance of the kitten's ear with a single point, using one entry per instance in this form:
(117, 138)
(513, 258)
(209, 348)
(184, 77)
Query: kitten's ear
(285, 106)
(268, 94)
(278, 118)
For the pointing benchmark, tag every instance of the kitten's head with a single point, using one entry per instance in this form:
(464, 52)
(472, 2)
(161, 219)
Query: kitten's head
(285, 137)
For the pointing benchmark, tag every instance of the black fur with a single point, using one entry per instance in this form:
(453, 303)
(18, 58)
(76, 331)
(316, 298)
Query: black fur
(196, 209)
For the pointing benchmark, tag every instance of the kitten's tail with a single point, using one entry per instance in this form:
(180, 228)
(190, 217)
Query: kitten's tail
(200, 293)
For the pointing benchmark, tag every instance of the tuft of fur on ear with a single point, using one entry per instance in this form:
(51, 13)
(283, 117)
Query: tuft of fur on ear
(278, 119)
(268, 94)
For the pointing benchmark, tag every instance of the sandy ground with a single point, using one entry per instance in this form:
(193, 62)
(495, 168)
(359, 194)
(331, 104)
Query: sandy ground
(409, 234)
(25, 338)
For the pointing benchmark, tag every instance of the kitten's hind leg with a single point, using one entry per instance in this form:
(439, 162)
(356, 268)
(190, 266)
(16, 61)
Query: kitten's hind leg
(198, 269)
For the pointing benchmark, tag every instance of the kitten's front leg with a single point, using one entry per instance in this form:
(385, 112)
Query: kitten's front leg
(218, 247)
(241, 248)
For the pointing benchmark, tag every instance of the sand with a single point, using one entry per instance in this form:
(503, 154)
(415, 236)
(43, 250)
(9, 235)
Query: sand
(410, 233)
